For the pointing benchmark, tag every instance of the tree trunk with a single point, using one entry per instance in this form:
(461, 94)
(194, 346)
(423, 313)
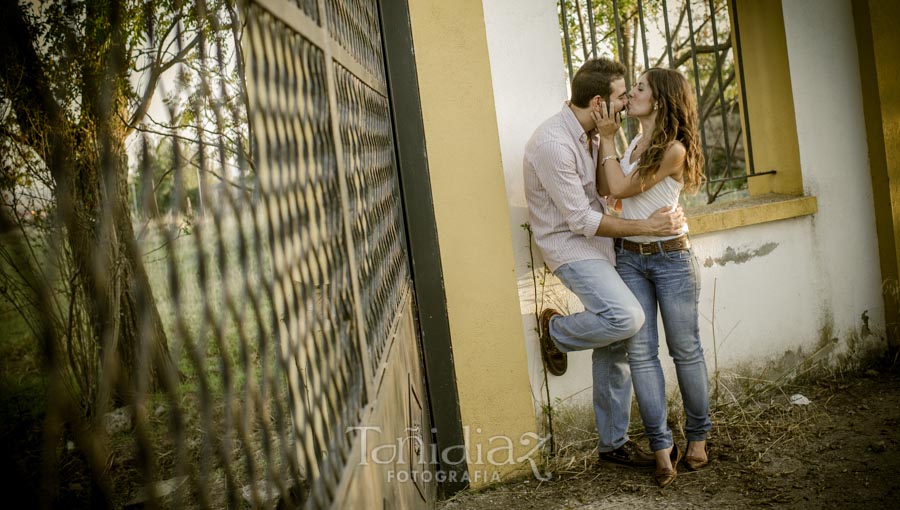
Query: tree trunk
(85, 153)
(120, 299)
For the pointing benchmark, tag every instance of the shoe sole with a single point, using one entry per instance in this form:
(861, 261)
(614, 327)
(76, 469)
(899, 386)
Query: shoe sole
(545, 358)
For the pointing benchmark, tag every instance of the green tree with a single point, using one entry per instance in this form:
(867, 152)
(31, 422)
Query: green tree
(77, 79)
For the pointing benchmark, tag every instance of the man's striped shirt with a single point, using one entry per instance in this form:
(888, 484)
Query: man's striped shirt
(564, 208)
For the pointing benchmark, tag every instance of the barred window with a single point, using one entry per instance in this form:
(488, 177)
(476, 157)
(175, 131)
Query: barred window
(697, 38)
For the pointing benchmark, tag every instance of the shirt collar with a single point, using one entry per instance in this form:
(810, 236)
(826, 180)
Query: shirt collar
(573, 126)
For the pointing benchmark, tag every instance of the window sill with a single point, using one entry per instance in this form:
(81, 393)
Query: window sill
(750, 211)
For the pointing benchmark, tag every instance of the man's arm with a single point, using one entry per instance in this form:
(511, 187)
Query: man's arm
(663, 222)
(556, 168)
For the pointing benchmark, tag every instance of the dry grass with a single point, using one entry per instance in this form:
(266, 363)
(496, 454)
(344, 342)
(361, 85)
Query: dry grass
(753, 409)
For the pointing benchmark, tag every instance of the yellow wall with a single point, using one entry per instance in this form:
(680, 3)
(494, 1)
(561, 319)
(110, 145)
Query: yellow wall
(877, 42)
(770, 103)
(473, 227)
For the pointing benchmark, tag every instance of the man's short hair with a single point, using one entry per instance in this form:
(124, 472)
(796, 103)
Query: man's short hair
(594, 79)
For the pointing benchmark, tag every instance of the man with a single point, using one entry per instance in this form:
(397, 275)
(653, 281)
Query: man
(574, 234)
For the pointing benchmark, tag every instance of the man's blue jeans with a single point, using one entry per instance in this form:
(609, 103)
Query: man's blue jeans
(611, 314)
(669, 280)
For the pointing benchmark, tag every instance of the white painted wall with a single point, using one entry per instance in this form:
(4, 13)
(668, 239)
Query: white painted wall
(529, 86)
(805, 276)
(834, 155)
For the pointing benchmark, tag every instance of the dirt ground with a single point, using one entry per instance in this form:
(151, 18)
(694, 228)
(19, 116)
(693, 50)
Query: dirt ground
(840, 451)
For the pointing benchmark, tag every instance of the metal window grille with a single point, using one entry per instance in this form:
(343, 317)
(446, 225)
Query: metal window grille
(693, 36)
(258, 248)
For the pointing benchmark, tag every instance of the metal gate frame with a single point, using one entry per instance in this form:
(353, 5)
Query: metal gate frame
(427, 273)
(428, 297)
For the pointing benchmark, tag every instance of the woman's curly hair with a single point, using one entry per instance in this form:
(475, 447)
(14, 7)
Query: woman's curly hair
(676, 120)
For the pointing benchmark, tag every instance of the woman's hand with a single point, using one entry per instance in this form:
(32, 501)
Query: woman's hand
(607, 125)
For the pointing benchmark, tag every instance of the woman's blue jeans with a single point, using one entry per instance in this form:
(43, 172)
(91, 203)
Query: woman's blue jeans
(668, 282)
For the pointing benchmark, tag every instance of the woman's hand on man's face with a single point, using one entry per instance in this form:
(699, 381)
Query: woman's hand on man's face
(607, 125)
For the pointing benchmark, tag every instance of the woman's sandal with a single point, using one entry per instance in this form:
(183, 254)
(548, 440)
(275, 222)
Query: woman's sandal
(694, 463)
(665, 476)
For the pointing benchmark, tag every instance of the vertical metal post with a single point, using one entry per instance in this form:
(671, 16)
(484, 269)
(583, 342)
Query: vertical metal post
(592, 27)
(643, 34)
(568, 43)
(424, 250)
(739, 63)
(727, 139)
(668, 34)
(619, 42)
(697, 84)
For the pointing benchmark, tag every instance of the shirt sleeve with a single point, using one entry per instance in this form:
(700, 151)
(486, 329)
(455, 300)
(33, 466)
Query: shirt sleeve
(556, 168)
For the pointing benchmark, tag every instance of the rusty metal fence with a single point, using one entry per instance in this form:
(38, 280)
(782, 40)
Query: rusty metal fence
(209, 278)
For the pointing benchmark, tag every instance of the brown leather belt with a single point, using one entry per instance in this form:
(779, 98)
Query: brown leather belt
(679, 243)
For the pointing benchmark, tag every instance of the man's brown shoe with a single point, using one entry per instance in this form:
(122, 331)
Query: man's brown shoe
(554, 360)
(629, 454)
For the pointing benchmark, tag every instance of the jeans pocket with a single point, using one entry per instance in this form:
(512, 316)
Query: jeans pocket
(678, 255)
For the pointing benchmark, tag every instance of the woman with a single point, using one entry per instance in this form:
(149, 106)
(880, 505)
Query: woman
(661, 271)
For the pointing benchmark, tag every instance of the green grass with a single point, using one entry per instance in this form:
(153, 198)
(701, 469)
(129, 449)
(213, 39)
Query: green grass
(201, 314)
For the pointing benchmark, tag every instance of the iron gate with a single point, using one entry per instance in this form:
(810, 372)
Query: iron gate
(323, 130)
(222, 297)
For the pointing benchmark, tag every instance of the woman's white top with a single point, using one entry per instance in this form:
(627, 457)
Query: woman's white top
(643, 205)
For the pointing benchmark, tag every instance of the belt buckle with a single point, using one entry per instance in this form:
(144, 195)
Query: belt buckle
(641, 249)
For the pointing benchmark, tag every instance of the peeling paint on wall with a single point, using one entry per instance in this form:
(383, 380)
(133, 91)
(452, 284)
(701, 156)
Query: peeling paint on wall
(739, 257)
